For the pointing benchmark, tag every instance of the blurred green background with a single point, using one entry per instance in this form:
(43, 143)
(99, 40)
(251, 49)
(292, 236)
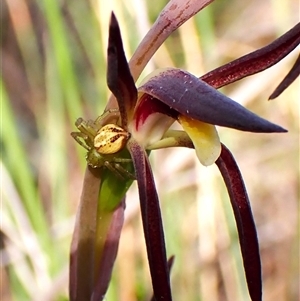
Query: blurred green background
(53, 56)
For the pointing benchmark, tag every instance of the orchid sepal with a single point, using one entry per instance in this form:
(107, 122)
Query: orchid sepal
(288, 79)
(255, 61)
(152, 222)
(244, 220)
(186, 94)
(119, 78)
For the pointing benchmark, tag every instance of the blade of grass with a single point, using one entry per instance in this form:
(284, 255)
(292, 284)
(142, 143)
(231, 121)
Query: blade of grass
(62, 51)
(23, 254)
(18, 165)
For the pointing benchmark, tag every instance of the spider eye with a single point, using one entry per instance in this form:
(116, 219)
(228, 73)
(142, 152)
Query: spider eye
(110, 139)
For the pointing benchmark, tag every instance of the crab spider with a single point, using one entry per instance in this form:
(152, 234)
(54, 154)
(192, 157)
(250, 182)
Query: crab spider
(103, 143)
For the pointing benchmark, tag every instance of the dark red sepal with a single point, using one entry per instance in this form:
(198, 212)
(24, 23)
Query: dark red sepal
(119, 79)
(152, 223)
(254, 62)
(244, 221)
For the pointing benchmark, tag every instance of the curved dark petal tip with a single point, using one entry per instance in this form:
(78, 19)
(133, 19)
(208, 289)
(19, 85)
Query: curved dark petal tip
(171, 262)
(287, 81)
(194, 98)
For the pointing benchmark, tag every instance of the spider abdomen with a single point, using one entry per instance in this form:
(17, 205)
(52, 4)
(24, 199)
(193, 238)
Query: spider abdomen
(110, 139)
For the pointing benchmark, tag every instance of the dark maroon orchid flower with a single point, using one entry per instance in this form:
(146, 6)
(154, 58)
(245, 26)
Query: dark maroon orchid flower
(118, 144)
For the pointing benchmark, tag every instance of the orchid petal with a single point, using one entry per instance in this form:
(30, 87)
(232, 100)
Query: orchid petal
(244, 221)
(193, 98)
(119, 79)
(289, 78)
(152, 223)
(205, 139)
(175, 13)
(152, 118)
(254, 62)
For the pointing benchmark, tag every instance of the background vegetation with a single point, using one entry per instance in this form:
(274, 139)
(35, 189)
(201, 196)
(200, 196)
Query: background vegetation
(53, 71)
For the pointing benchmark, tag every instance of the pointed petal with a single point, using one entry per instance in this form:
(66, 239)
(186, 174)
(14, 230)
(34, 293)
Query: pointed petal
(192, 97)
(205, 139)
(254, 62)
(152, 223)
(290, 77)
(244, 220)
(119, 79)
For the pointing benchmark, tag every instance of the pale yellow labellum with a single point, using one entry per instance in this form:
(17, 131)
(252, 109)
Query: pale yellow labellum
(205, 139)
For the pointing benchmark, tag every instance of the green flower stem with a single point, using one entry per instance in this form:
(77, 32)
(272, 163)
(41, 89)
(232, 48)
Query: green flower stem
(112, 192)
(92, 231)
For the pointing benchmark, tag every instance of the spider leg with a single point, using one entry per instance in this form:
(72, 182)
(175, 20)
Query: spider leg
(122, 160)
(82, 139)
(111, 116)
(86, 127)
(110, 167)
(124, 171)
